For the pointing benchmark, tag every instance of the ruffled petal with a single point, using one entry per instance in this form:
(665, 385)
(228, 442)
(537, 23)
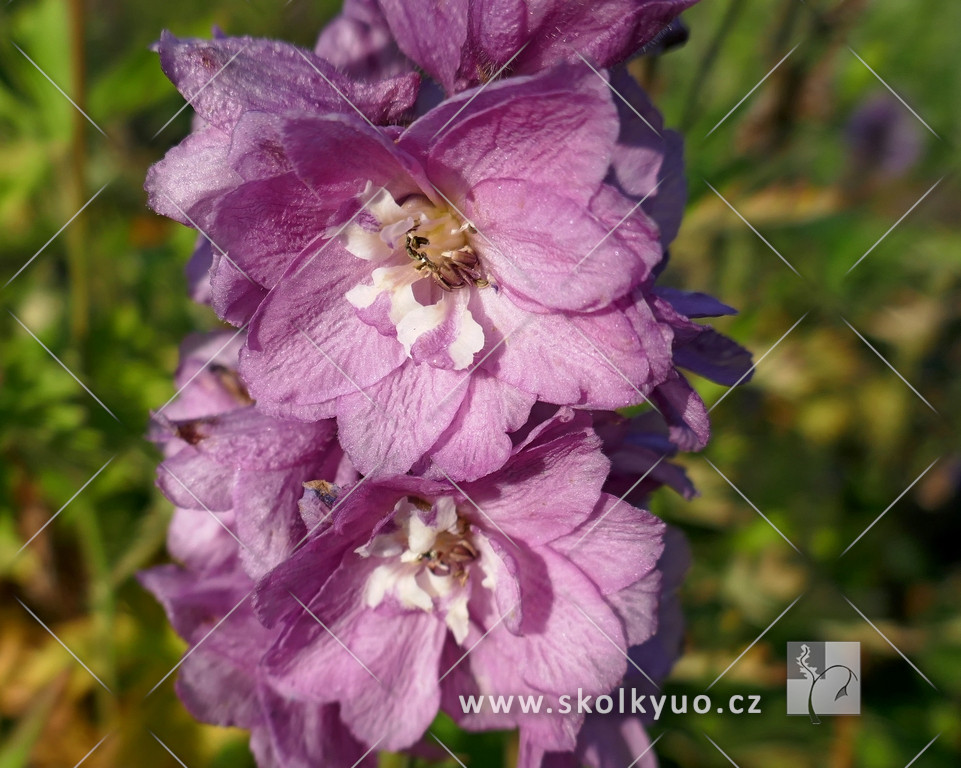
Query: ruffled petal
(555, 131)
(430, 33)
(555, 253)
(477, 442)
(226, 77)
(306, 346)
(393, 423)
(523, 495)
(388, 691)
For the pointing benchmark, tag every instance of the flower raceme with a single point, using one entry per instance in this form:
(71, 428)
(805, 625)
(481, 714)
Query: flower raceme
(235, 477)
(403, 482)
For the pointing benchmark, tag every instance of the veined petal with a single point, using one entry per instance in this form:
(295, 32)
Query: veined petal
(556, 131)
(478, 440)
(378, 435)
(306, 346)
(226, 77)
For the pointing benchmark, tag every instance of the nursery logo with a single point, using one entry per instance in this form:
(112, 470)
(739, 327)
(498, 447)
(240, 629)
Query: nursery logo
(823, 678)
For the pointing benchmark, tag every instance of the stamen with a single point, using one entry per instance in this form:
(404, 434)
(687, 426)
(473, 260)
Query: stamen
(450, 269)
(416, 241)
(451, 554)
(426, 559)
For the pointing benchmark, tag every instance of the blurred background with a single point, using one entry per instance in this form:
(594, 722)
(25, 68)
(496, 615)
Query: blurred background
(852, 415)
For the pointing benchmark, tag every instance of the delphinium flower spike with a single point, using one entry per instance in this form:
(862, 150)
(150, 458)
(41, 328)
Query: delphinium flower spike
(404, 484)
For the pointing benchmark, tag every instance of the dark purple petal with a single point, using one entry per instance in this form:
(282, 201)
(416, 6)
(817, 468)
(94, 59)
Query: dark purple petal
(693, 304)
(682, 408)
(637, 448)
(716, 357)
(700, 348)
(648, 161)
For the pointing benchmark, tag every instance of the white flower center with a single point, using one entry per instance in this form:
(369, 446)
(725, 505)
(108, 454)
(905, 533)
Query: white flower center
(426, 255)
(427, 557)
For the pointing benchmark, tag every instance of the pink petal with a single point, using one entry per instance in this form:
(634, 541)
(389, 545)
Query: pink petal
(555, 253)
(192, 175)
(523, 495)
(617, 546)
(227, 77)
(605, 364)
(306, 346)
(386, 682)
(477, 441)
(391, 424)
(430, 33)
(556, 131)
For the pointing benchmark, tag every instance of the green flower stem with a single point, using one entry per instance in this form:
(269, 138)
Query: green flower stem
(78, 266)
(706, 64)
(101, 611)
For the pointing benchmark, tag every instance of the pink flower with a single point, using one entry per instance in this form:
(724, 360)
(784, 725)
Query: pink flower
(486, 259)
(542, 577)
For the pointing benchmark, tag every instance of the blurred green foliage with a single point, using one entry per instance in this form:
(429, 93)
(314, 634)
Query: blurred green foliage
(823, 441)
